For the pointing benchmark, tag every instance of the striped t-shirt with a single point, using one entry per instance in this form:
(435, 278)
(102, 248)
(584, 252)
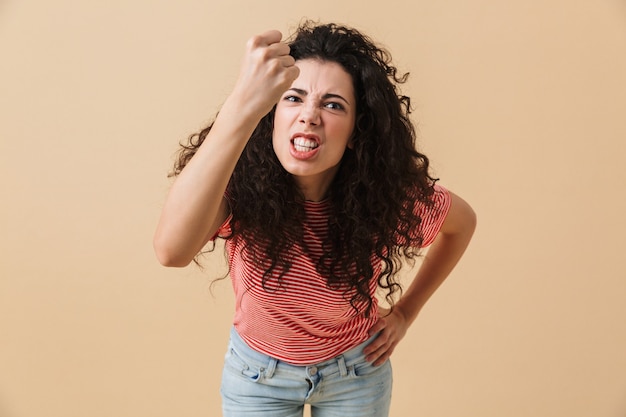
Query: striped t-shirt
(304, 322)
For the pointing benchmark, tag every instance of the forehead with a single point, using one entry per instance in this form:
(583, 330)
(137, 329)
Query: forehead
(323, 76)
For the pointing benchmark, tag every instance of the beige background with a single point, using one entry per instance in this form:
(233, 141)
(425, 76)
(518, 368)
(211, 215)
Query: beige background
(521, 106)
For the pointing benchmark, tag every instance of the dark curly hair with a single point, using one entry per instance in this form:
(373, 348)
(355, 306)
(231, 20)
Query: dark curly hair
(373, 196)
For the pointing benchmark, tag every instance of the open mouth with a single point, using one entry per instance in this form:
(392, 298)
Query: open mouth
(304, 145)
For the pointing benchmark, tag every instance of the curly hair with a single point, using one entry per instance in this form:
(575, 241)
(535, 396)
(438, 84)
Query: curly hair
(373, 196)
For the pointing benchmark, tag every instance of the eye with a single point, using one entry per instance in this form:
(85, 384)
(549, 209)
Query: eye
(333, 106)
(293, 99)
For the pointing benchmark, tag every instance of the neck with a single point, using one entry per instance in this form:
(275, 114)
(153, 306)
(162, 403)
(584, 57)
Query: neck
(313, 190)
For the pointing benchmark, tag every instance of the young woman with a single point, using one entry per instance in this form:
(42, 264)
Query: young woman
(310, 173)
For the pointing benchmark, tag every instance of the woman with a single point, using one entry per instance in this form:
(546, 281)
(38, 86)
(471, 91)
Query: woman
(310, 173)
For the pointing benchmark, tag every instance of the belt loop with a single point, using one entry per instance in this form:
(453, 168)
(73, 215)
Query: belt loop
(341, 362)
(271, 367)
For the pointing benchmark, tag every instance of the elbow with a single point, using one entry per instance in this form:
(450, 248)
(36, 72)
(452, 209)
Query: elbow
(172, 262)
(469, 224)
(472, 220)
(169, 257)
(461, 219)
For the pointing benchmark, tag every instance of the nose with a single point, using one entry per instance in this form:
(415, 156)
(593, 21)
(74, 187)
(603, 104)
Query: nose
(310, 115)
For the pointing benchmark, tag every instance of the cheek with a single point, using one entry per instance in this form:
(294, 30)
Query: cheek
(275, 143)
(283, 116)
(281, 128)
(344, 131)
(280, 146)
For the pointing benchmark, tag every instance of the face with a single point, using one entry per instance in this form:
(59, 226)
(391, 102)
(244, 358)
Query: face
(313, 125)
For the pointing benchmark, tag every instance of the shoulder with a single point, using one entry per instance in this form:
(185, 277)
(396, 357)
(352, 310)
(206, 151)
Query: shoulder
(436, 204)
(433, 213)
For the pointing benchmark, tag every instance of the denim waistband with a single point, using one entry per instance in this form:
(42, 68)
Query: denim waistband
(261, 360)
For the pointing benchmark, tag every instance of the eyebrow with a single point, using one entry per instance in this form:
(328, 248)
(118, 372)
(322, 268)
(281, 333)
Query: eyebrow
(324, 97)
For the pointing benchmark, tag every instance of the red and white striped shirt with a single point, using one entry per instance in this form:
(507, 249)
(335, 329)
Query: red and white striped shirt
(304, 322)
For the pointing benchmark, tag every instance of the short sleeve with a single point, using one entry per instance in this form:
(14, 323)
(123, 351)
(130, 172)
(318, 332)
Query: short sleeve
(433, 215)
(225, 229)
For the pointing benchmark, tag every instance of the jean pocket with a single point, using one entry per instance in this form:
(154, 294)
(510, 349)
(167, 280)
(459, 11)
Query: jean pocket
(364, 368)
(235, 363)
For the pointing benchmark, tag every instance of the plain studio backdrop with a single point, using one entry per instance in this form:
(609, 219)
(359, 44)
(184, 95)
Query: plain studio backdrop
(521, 105)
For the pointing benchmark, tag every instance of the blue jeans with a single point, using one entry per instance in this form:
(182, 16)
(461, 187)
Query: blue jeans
(257, 385)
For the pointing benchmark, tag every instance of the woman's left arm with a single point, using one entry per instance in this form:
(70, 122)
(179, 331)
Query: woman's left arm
(443, 255)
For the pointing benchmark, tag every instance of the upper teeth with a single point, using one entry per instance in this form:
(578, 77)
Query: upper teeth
(304, 143)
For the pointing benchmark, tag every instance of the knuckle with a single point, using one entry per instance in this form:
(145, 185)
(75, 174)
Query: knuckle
(266, 53)
(254, 42)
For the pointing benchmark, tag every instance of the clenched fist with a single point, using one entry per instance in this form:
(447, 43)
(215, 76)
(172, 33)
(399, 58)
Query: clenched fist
(267, 71)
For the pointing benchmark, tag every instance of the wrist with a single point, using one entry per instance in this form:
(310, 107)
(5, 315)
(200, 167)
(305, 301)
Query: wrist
(245, 108)
(408, 313)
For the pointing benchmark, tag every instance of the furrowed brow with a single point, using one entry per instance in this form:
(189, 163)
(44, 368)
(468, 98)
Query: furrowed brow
(324, 97)
(299, 91)
(335, 96)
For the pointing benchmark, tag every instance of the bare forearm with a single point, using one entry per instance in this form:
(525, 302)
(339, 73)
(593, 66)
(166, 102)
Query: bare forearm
(440, 260)
(194, 207)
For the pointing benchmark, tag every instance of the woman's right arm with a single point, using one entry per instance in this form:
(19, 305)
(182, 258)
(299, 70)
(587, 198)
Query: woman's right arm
(195, 206)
